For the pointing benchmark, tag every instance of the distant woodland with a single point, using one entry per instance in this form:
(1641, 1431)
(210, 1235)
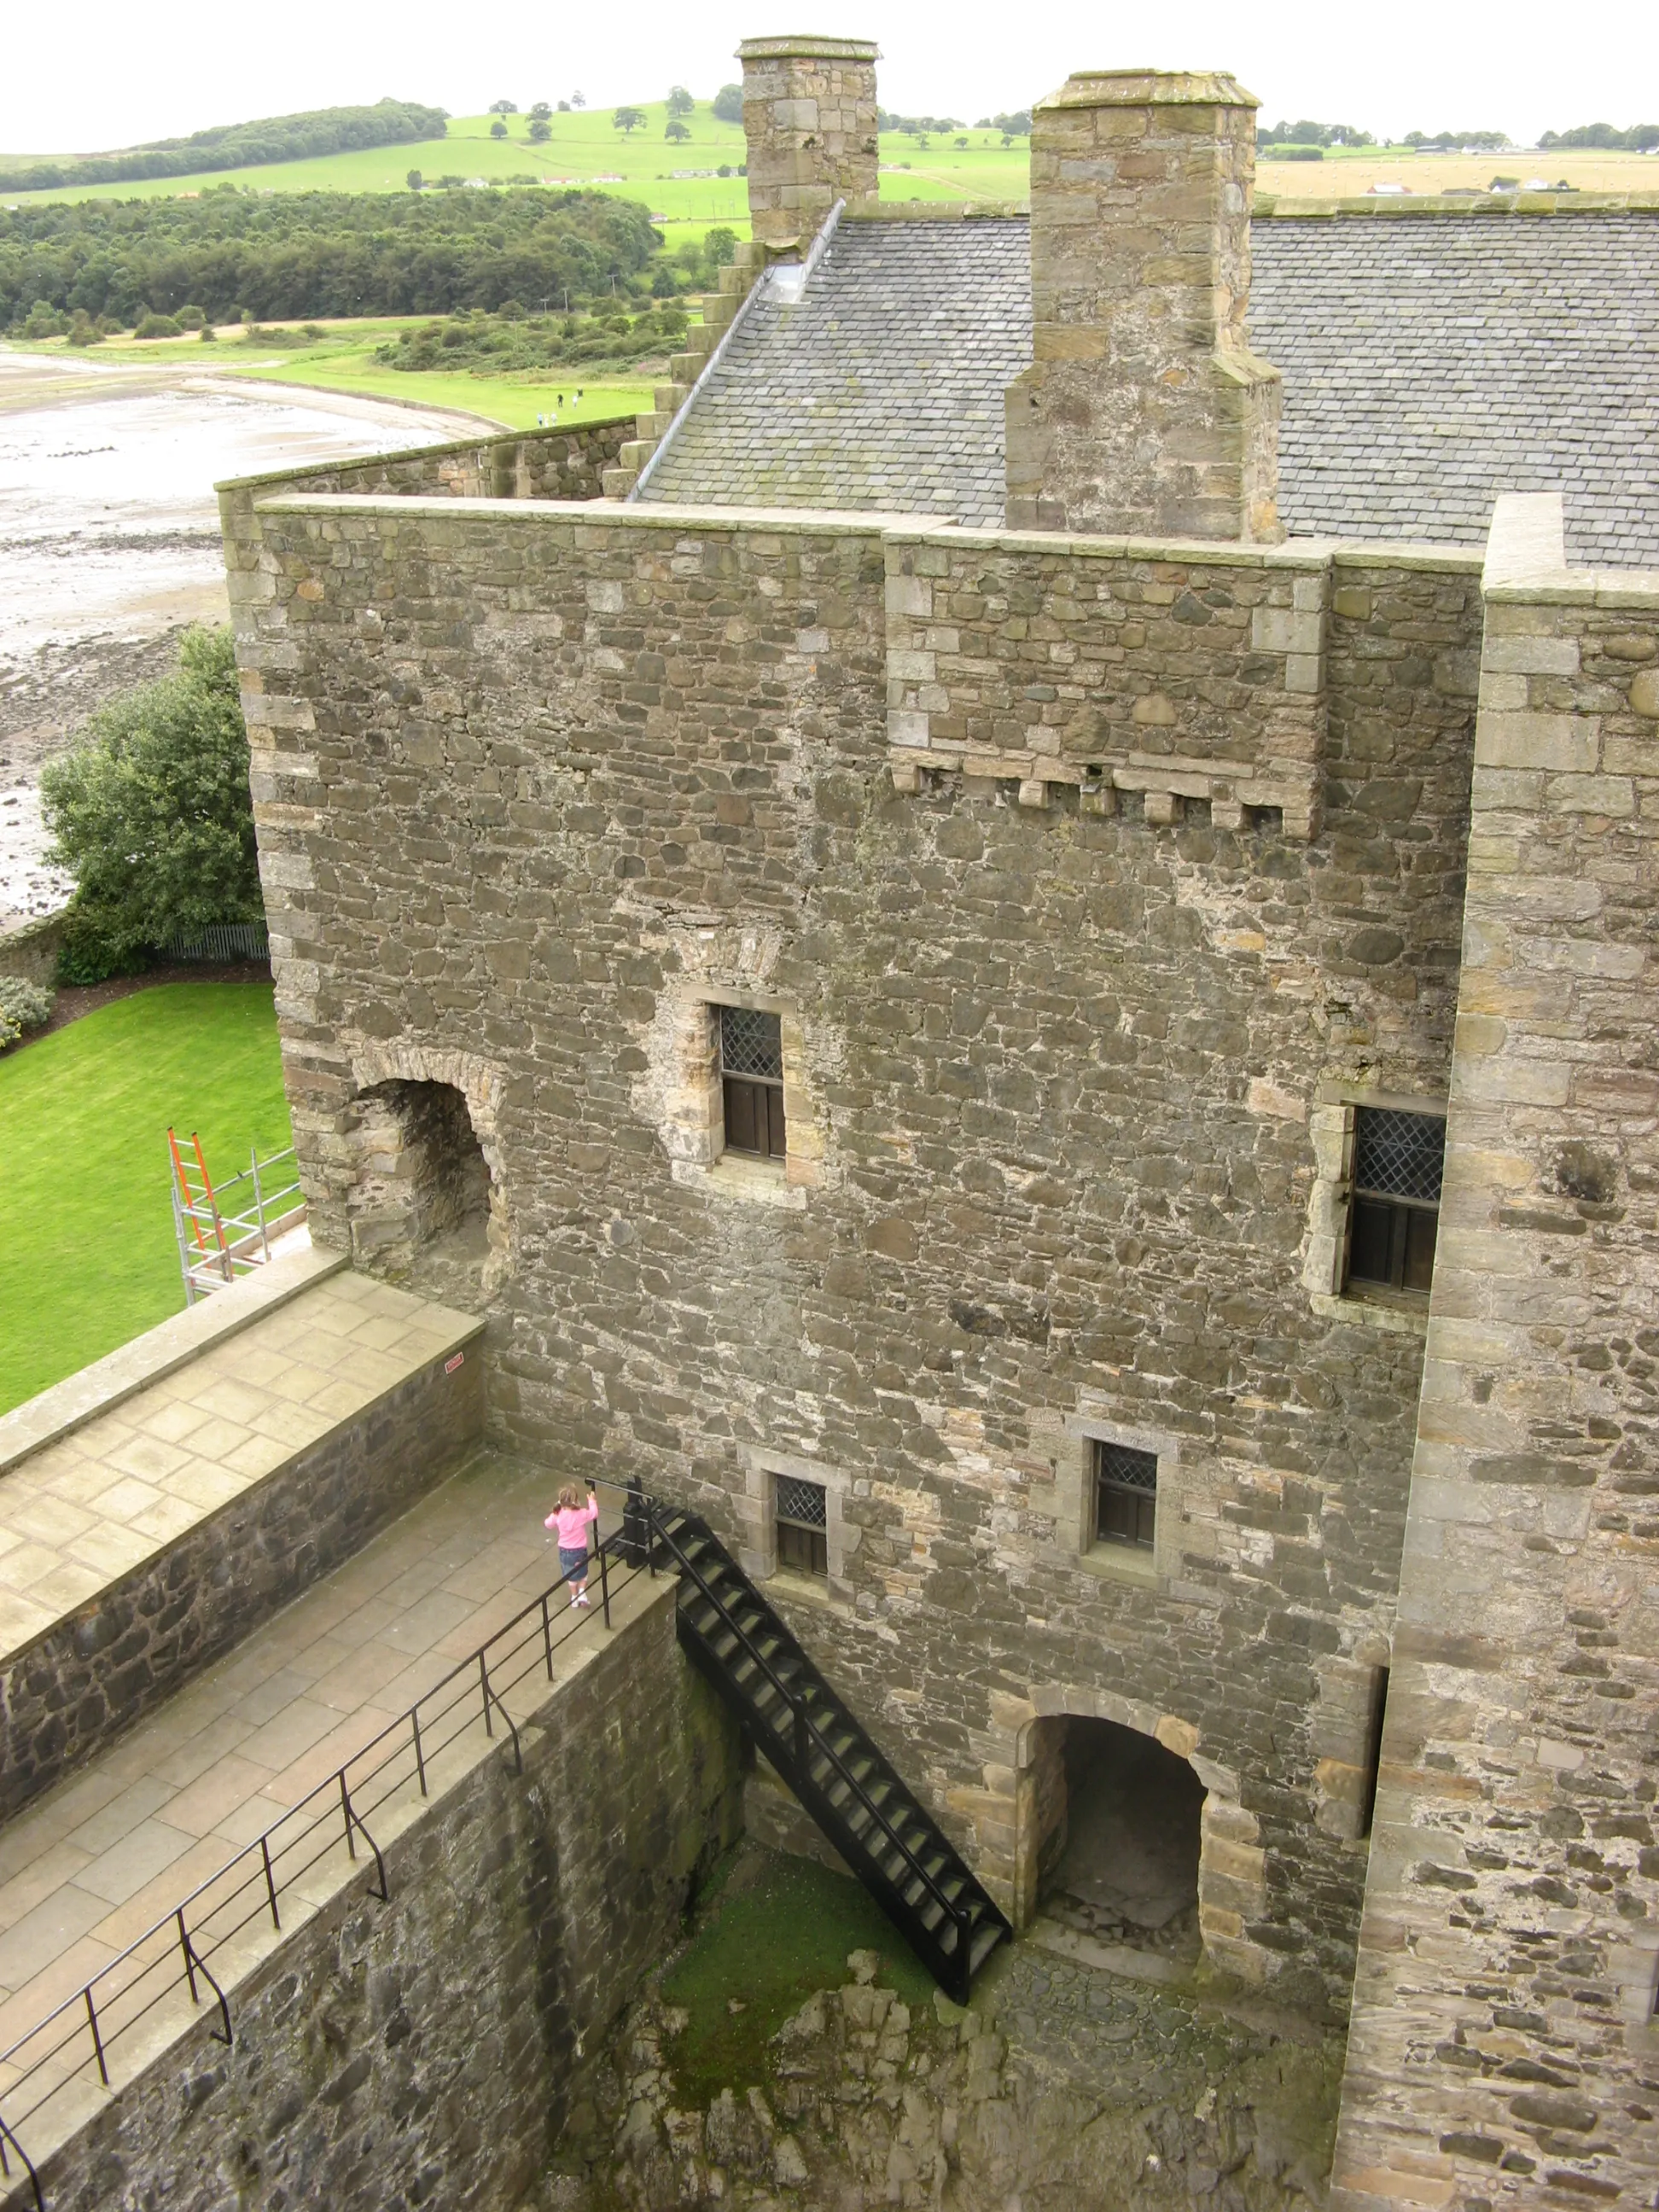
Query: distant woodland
(238, 256)
(241, 146)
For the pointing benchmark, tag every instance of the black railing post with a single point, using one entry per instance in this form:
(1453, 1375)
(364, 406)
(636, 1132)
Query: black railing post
(270, 1884)
(484, 1684)
(547, 1636)
(803, 1741)
(420, 1756)
(189, 1955)
(604, 1588)
(97, 2039)
(7, 2137)
(345, 1810)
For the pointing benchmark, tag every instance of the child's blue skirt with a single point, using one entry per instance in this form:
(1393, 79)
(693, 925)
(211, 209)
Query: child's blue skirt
(573, 1565)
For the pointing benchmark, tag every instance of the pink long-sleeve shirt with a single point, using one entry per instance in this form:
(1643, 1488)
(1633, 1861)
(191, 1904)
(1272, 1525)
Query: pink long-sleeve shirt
(571, 1522)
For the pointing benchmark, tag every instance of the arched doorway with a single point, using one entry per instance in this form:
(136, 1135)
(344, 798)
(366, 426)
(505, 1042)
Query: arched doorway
(424, 1200)
(1124, 1869)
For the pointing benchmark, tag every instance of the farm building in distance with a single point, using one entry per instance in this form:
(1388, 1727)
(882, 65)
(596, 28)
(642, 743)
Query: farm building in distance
(1023, 970)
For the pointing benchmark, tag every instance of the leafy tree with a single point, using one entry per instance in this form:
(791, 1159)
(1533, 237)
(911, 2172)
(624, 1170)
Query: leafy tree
(962, 142)
(298, 256)
(540, 131)
(728, 104)
(502, 107)
(414, 180)
(676, 129)
(679, 101)
(540, 112)
(151, 815)
(627, 120)
(498, 128)
(579, 100)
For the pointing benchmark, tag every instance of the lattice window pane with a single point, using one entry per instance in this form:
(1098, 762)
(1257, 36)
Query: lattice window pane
(750, 1043)
(800, 1503)
(1130, 1470)
(1399, 1155)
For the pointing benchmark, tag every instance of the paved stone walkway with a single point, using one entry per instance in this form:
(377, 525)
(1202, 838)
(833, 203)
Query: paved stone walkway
(84, 1509)
(102, 1856)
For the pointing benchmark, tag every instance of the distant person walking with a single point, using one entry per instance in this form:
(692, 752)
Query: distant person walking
(569, 1520)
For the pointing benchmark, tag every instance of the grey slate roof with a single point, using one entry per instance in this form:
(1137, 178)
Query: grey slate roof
(1433, 361)
(1429, 363)
(881, 388)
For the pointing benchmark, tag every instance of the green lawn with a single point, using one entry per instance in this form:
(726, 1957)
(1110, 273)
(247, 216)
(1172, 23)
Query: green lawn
(88, 1255)
(344, 360)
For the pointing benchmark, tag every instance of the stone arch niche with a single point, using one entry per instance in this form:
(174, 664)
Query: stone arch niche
(426, 1201)
(1136, 1776)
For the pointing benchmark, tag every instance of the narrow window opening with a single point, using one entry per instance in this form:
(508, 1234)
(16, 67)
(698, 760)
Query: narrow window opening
(802, 1526)
(1373, 1748)
(1125, 1496)
(1394, 1213)
(752, 1082)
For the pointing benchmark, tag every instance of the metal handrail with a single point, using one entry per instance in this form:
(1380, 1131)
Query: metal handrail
(93, 2015)
(802, 1718)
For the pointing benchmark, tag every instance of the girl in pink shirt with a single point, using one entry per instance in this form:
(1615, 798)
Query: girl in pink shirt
(570, 1518)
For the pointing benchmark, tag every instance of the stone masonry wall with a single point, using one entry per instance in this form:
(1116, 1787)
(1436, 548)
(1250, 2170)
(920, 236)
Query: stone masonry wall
(1505, 2048)
(567, 463)
(1144, 409)
(88, 1678)
(809, 115)
(419, 2052)
(540, 788)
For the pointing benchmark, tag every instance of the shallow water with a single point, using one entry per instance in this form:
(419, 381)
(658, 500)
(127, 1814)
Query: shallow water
(109, 536)
(108, 511)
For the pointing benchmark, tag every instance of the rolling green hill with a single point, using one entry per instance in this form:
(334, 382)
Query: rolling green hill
(588, 148)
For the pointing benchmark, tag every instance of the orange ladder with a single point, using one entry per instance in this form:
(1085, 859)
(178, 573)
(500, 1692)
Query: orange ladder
(195, 1203)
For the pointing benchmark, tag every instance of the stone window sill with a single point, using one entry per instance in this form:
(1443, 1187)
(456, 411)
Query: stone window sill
(754, 1182)
(1116, 1562)
(1407, 1319)
(796, 1589)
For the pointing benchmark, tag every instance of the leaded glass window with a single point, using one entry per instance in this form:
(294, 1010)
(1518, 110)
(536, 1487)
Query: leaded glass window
(1125, 1496)
(751, 1081)
(802, 1525)
(1398, 1159)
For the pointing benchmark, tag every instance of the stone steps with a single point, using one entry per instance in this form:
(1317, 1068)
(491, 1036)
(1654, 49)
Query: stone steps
(719, 310)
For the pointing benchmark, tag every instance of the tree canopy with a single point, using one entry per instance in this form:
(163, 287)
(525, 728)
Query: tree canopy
(628, 119)
(241, 146)
(314, 254)
(728, 104)
(150, 813)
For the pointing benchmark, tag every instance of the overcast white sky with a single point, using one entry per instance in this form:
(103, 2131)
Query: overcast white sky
(104, 73)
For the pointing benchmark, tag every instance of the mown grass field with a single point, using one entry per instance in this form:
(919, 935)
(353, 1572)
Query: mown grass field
(87, 1254)
(588, 148)
(344, 361)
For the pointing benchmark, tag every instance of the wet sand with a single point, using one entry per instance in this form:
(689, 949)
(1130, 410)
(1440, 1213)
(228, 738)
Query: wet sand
(109, 541)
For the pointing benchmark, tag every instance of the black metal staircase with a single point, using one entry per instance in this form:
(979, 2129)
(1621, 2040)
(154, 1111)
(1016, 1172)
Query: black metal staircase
(896, 1849)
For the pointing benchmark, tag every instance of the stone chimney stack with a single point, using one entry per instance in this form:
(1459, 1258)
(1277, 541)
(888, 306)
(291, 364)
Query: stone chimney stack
(1144, 411)
(809, 114)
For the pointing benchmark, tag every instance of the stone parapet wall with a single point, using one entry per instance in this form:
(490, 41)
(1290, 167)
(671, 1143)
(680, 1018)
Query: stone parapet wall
(1182, 673)
(423, 2050)
(90, 1677)
(1503, 2040)
(31, 950)
(543, 787)
(554, 465)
